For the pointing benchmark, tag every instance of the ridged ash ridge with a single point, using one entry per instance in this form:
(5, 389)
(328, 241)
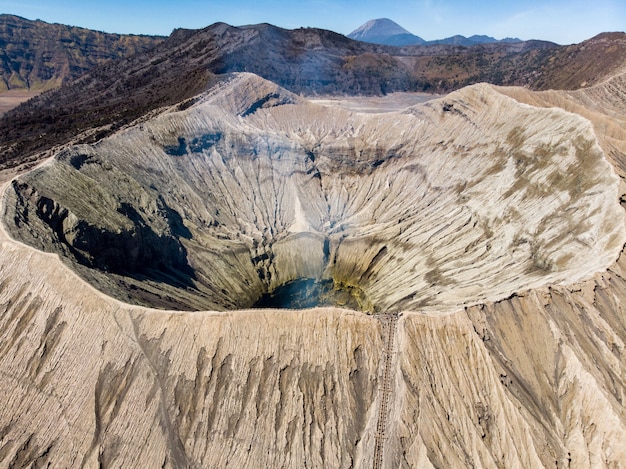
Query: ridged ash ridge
(215, 203)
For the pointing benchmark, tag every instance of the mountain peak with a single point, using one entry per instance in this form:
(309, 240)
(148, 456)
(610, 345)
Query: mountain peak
(378, 27)
(387, 32)
(384, 31)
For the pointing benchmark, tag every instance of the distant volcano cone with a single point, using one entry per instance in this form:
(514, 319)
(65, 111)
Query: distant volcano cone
(384, 31)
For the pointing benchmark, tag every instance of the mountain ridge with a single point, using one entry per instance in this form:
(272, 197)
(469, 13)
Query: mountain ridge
(387, 32)
(37, 56)
(483, 232)
(306, 60)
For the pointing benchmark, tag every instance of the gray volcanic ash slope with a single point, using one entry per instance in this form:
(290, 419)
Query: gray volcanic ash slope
(442, 205)
(492, 224)
(37, 55)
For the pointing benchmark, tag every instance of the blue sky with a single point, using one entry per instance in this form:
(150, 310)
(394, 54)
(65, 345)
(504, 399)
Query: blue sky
(561, 21)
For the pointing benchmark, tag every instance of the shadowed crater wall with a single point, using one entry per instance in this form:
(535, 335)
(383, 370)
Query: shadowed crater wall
(255, 197)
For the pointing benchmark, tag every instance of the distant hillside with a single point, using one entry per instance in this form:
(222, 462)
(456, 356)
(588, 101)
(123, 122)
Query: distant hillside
(582, 65)
(473, 40)
(35, 55)
(387, 32)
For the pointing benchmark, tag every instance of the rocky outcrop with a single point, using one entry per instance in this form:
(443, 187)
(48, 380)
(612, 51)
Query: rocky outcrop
(515, 360)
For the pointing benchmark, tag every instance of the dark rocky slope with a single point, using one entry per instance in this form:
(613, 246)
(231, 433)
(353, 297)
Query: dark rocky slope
(36, 55)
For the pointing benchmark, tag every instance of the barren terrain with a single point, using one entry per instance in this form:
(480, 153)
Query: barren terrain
(375, 104)
(480, 233)
(13, 98)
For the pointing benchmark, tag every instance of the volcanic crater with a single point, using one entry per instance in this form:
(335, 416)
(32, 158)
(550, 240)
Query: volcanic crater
(250, 196)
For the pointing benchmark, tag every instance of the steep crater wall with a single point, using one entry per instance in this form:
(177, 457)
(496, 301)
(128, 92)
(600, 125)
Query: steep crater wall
(252, 196)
